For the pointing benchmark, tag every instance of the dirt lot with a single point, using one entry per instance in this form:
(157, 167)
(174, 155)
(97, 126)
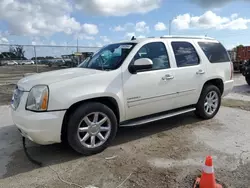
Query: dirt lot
(9, 75)
(166, 153)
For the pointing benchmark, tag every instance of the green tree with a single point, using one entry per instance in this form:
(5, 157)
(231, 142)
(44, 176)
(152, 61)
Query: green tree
(18, 51)
(239, 46)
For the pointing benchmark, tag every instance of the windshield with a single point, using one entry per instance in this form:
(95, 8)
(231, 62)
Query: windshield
(109, 57)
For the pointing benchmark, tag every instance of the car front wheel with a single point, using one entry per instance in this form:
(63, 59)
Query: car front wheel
(209, 102)
(91, 128)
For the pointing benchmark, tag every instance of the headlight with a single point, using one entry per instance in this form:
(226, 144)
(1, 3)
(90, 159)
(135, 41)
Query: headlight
(38, 98)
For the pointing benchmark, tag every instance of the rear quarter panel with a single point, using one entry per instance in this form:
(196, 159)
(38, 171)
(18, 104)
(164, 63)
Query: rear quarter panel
(221, 70)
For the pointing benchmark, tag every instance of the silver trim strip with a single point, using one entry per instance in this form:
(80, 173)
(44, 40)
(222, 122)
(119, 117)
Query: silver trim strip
(158, 96)
(152, 97)
(149, 120)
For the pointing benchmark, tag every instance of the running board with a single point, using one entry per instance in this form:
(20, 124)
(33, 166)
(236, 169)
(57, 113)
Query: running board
(141, 121)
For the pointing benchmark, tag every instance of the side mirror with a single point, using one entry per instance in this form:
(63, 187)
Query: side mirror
(141, 64)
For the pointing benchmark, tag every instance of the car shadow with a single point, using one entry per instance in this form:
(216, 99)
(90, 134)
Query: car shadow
(59, 153)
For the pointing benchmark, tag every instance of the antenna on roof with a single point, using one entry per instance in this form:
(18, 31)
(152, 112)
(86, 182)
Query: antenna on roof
(133, 38)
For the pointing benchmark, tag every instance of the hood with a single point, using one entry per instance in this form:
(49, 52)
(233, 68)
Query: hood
(47, 78)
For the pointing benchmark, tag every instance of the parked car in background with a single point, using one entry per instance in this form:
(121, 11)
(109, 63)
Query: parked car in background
(3, 63)
(123, 84)
(11, 62)
(26, 62)
(56, 62)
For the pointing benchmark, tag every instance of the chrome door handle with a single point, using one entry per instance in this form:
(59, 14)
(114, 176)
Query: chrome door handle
(168, 77)
(200, 71)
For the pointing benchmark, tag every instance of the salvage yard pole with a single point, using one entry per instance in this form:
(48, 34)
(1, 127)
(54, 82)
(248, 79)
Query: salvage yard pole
(35, 59)
(169, 29)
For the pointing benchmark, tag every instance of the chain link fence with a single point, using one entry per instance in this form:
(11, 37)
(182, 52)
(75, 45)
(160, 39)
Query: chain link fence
(17, 61)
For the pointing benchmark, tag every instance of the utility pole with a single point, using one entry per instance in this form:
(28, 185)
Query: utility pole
(169, 29)
(35, 58)
(77, 44)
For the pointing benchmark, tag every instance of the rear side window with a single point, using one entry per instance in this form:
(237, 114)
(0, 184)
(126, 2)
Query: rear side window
(185, 54)
(215, 52)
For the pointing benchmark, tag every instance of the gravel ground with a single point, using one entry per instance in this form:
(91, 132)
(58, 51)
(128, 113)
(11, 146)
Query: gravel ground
(166, 153)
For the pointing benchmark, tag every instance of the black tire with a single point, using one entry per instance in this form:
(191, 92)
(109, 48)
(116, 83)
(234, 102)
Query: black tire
(76, 118)
(200, 109)
(248, 80)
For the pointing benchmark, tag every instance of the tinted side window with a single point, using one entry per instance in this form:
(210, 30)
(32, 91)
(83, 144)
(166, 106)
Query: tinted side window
(215, 52)
(185, 54)
(156, 51)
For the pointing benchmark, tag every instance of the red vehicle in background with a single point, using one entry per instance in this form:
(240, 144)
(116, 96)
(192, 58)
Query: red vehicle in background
(239, 56)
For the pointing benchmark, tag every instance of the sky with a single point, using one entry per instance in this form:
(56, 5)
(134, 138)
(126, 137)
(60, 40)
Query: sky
(98, 22)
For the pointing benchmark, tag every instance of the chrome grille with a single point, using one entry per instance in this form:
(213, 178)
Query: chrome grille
(16, 98)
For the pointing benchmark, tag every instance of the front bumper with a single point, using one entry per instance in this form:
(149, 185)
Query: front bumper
(40, 127)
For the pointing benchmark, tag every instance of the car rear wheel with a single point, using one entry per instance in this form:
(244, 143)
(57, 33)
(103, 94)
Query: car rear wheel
(209, 102)
(91, 128)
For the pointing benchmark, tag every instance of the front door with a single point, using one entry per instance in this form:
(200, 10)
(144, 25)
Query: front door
(150, 91)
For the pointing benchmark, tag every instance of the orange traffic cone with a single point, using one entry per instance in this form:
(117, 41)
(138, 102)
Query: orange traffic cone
(207, 179)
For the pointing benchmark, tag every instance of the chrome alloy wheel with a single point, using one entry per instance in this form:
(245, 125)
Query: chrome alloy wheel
(211, 102)
(94, 130)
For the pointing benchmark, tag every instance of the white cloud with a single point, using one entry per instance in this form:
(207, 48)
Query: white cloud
(36, 41)
(38, 17)
(89, 37)
(210, 20)
(105, 39)
(141, 27)
(124, 27)
(237, 24)
(119, 28)
(4, 40)
(160, 26)
(141, 36)
(42, 18)
(182, 21)
(98, 44)
(90, 29)
(82, 36)
(234, 16)
(52, 43)
(117, 8)
(129, 35)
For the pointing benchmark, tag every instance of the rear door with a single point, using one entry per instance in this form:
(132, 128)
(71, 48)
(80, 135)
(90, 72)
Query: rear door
(190, 72)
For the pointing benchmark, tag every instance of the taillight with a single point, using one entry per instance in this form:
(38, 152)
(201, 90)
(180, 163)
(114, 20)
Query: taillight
(232, 70)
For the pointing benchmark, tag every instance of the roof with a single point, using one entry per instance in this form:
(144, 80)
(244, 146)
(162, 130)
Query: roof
(187, 37)
(138, 40)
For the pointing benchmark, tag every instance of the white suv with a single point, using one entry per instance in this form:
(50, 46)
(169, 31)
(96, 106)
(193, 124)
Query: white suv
(123, 84)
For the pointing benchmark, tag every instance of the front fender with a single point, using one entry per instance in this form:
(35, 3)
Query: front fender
(65, 94)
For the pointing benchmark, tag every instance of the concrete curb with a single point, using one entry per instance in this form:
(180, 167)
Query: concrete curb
(236, 103)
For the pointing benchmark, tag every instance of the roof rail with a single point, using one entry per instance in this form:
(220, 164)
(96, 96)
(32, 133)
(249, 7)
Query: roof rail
(189, 37)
